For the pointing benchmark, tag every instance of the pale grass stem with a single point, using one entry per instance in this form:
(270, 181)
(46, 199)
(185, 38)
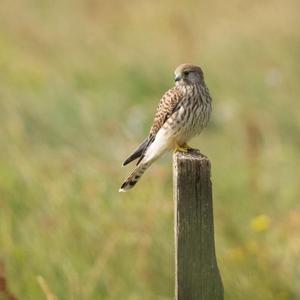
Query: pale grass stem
(45, 288)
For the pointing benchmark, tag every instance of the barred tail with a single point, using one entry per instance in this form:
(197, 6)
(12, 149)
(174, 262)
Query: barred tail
(156, 148)
(135, 176)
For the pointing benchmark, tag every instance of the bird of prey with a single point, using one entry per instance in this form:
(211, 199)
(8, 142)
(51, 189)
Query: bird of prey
(182, 113)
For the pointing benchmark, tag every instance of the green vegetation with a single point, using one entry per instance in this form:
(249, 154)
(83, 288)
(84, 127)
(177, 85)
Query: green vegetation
(79, 84)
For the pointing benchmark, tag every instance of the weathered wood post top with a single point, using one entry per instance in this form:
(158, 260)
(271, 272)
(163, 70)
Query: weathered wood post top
(197, 274)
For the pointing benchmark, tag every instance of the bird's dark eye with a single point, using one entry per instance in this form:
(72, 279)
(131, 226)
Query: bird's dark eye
(186, 73)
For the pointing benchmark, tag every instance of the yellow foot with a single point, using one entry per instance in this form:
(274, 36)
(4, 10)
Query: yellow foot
(184, 148)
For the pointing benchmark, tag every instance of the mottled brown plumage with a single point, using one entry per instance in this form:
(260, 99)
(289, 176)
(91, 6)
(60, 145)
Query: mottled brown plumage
(182, 113)
(165, 108)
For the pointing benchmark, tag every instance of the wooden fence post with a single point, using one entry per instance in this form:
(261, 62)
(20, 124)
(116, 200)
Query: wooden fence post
(197, 274)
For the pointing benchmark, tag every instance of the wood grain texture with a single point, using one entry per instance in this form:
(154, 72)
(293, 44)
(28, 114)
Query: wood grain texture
(197, 274)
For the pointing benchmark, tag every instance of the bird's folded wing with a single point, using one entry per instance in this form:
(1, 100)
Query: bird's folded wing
(166, 107)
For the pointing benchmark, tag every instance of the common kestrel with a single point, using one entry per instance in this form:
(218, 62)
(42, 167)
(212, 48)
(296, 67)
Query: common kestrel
(182, 113)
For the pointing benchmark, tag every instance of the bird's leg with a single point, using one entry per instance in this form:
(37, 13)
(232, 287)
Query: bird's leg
(181, 148)
(189, 149)
(186, 149)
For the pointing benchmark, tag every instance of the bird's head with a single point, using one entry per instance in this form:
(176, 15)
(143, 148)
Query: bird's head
(188, 74)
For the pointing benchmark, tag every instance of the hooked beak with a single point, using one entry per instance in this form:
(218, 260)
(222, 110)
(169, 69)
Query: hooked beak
(178, 77)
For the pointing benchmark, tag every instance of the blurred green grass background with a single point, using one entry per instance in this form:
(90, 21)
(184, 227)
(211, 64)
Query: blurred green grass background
(79, 84)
